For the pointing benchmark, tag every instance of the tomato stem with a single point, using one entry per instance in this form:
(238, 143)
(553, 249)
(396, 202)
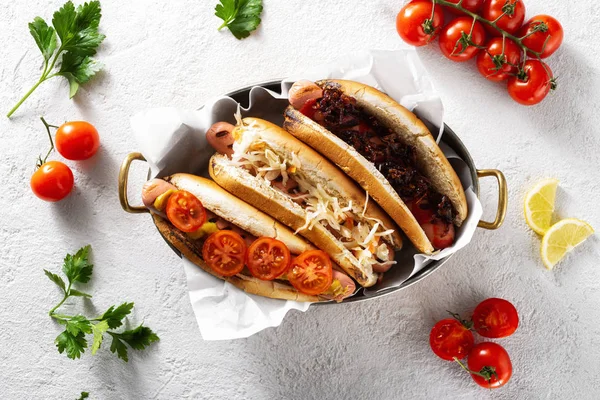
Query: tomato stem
(48, 126)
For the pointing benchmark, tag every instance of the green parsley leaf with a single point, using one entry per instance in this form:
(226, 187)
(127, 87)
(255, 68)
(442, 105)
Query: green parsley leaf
(139, 338)
(76, 267)
(44, 36)
(64, 22)
(240, 16)
(74, 292)
(78, 70)
(56, 279)
(98, 331)
(73, 344)
(116, 346)
(113, 316)
(78, 29)
(77, 324)
(84, 395)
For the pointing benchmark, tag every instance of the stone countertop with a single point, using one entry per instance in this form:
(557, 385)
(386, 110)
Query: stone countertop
(160, 53)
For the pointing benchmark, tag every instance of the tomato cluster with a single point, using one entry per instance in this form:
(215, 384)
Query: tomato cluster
(493, 31)
(226, 252)
(488, 363)
(76, 140)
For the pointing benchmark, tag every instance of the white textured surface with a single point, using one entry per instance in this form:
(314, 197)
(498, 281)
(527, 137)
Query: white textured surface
(169, 53)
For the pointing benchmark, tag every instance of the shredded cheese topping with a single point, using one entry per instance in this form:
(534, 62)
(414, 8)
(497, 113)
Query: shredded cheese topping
(348, 222)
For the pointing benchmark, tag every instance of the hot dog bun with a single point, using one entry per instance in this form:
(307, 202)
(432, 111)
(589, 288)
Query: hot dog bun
(259, 192)
(431, 161)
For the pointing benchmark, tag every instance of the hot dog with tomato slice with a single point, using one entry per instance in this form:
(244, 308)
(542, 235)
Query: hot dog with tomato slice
(387, 150)
(232, 240)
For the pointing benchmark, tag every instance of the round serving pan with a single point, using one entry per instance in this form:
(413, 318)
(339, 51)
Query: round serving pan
(449, 138)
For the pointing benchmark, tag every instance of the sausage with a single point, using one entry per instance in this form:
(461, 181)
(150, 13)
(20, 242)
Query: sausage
(223, 224)
(303, 91)
(382, 267)
(439, 233)
(346, 282)
(289, 185)
(220, 138)
(154, 188)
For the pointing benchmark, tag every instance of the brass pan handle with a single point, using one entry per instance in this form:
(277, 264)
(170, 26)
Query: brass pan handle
(502, 198)
(123, 176)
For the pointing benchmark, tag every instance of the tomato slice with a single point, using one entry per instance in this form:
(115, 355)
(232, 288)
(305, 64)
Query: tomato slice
(449, 338)
(268, 258)
(224, 252)
(185, 211)
(495, 318)
(311, 272)
(308, 108)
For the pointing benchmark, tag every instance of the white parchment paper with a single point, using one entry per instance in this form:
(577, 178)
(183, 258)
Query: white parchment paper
(172, 140)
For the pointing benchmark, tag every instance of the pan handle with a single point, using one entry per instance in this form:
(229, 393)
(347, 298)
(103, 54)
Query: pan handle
(123, 176)
(502, 198)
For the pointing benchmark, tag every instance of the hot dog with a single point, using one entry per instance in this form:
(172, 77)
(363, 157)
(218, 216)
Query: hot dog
(286, 179)
(387, 150)
(224, 212)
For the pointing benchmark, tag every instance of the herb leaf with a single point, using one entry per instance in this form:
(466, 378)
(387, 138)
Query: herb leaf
(240, 16)
(116, 346)
(56, 279)
(84, 395)
(76, 267)
(77, 324)
(98, 331)
(78, 70)
(114, 316)
(73, 344)
(139, 338)
(44, 36)
(74, 292)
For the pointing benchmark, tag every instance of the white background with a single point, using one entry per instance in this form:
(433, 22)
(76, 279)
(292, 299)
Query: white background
(167, 53)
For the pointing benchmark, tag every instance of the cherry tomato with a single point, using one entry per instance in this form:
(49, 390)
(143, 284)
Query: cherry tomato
(440, 234)
(53, 181)
(185, 211)
(490, 358)
(471, 5)
(224, 252)
(531, 85)
(451, 36)
(77, 140)
(535, 41)
(495, 318)
(498, 52)
(449, 338)
(421, 211)
(268, 258)
(510, 22)
(415, 24)
(311, 272)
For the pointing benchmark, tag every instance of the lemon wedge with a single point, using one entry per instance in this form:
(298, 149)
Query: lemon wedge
(563, 237)
(539, 205)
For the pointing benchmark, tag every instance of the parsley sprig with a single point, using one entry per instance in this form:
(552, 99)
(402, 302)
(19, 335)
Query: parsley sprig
(77, 29)
(78, 269)
(240, 16)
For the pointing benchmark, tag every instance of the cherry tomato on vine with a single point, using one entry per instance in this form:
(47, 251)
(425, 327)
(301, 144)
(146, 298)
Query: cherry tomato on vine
(267, 258)
(471, 5)
(535, 41)
(495, 318)
(224, 252)
(531, 84)
(511, 21)
(498, 59)
(77, 140)
(185, 211)
(53, 181)
(415, 24)
(492, 360)
(449, 338)
(452, 41)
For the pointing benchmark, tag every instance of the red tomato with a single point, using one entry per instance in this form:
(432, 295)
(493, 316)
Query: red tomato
(224, 252)
(311, 272)
(499, 59)
(185, 211)
(510, 22)
(532, 84)
(535, 41)
(267, 258)
(53, 181)
(495, 318)
(449, 338)
(439, 233)
(77, 140)
(451, 39)
(415, 24)
(421, 211)
(471, 5)
(491, 360)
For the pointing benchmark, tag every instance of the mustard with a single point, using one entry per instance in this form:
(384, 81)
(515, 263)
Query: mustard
(161, 201)
(206, 229)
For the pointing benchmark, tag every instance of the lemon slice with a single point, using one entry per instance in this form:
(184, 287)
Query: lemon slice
(539, 205)
(563, 237)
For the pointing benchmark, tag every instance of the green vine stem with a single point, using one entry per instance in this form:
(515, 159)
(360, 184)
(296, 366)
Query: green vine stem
(41, 160)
